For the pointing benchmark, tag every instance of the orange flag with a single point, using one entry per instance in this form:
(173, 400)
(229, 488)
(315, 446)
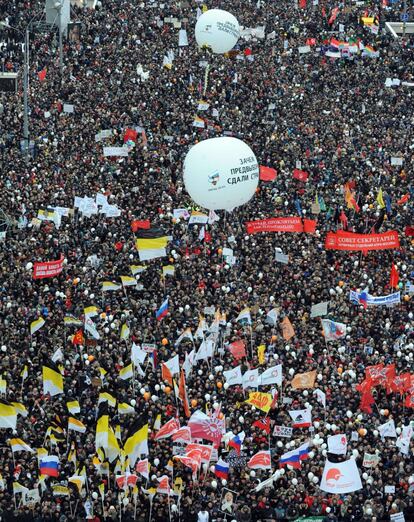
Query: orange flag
(287, 329)
(166, 374)
(303, 380)
(183, 394)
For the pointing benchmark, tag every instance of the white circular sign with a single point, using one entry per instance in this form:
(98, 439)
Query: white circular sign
(217, 29)
(221, 173)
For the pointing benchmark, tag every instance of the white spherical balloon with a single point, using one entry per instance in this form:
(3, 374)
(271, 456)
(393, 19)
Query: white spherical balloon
(221, 173)
(217, 29)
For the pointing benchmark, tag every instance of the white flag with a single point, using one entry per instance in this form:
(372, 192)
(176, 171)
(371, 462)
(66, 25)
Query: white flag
(272, 376)
(387, 429)
(137, 355)
(340, 477)
(57, 356)
(271, 317)
(206, 350)
(251, 379)
(91, 328)
(320, 396)
(337, 444)
(188, 363)
(233, 376)
(173, 365)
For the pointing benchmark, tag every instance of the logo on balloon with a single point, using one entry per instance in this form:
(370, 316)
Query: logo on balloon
(214, 178)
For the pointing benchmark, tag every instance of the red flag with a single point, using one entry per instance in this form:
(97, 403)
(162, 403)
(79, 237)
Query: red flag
(302, 4)
(400, 383)
(78, 338)
(394, 277)
(141, 467)
(182, 435)
(367, 400)
(334, 14)
(168, 429)
(260, 460)
(247, 52)
(300, 175)
(311, 41)
(137, 223)
(130, 135)
(365, 386)
(182, 394)
(409, 230)
(238, 349)
(409, 401)
(164, 485)
(404, 199)
(354, 204)
(126, 480)
(344, 220)
(204, 449)
(263, 424)
(42, 75)
(267, 174)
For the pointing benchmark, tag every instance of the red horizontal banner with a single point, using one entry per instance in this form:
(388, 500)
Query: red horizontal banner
(349, 241)
(48, 269)
(285, 224)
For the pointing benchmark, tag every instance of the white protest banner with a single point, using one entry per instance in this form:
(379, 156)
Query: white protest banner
(115, 151)
(387, 429)
(149, 348)
(68, 108)
(381, 300)
(371, 460)
(182, 38)
(397, 161)
(397, 517)
(280, 257)
(303, 49)
(389, 489)
(319, 309)
(181, 213)
(111, 211)
(283, 431)
(107, 133)
(340, 477)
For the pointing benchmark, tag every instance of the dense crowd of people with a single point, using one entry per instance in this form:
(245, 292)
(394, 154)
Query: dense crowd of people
(335, 118)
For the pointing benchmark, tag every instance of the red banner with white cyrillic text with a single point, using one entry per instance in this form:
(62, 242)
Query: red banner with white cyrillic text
(286, 224)
(350, 241)
(48, 269)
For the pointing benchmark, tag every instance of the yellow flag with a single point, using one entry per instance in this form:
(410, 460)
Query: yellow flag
(380, 198)
(260, 353)
(260, 400)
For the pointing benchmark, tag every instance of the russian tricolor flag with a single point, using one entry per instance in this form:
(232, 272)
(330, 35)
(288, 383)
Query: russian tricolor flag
(237, 442)
(293, 458)
(162, 310)
(221, 469)
(49, 465)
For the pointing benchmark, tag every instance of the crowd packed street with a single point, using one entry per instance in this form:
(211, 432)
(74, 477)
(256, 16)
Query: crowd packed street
(285, 358)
